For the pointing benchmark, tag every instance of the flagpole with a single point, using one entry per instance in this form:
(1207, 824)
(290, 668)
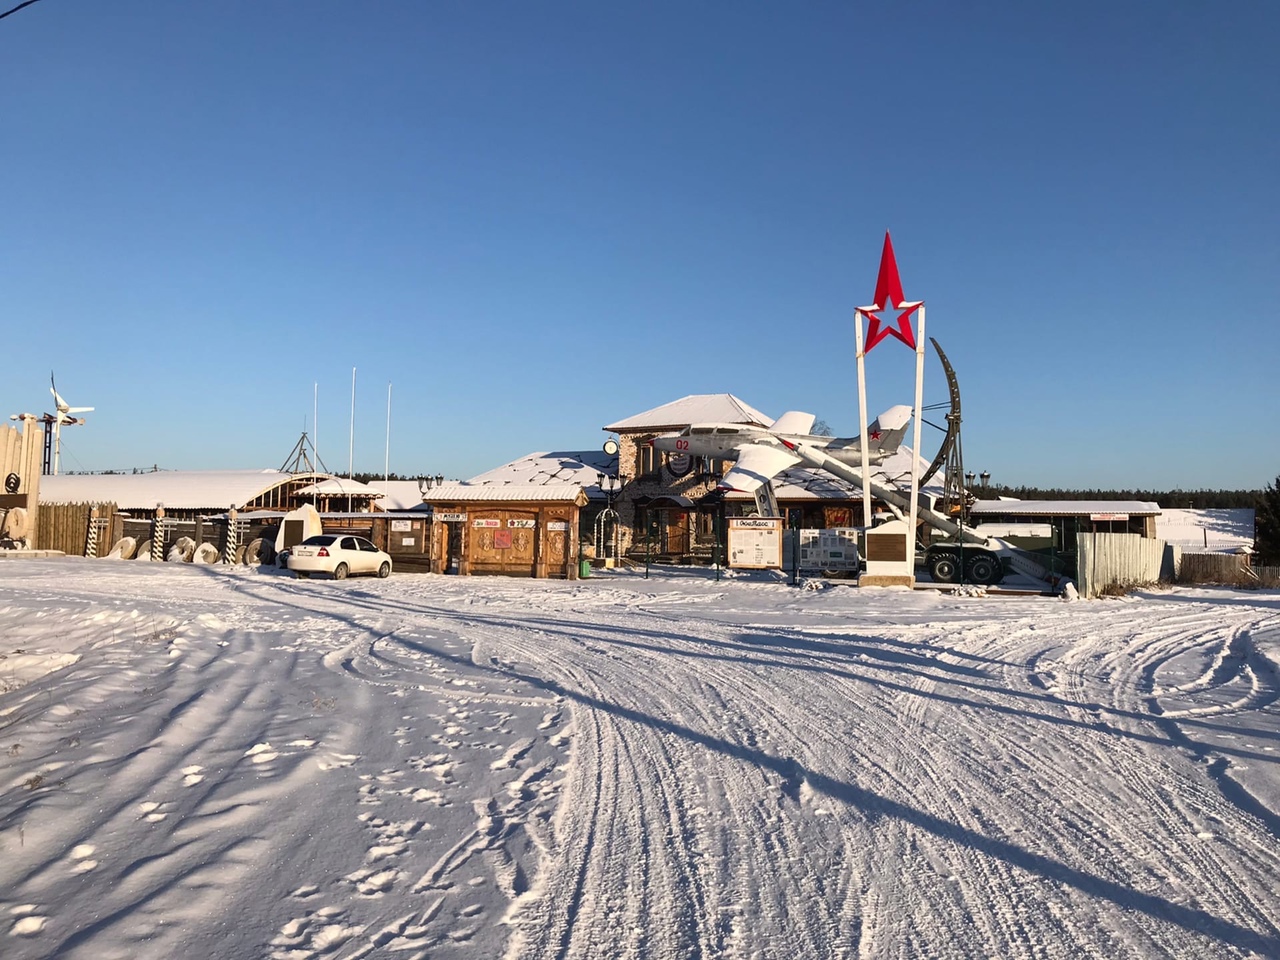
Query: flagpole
(351, 442)
(915, 442)
(386, 464)
(315, 425)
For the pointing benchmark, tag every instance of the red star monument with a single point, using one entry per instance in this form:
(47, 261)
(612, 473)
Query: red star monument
(889, 297)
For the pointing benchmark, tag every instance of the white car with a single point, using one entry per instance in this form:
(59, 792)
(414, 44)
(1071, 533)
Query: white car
(339, 555)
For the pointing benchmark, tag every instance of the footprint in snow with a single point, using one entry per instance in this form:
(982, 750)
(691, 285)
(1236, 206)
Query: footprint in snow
(191, 775)
(82, 854)
(29, 923)
(261, 753)
(150, 810)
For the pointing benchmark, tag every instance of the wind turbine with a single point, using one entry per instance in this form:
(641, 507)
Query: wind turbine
(62, 416)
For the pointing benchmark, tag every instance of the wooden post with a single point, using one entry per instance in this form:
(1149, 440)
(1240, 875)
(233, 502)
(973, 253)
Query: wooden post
(91, 543)
(157, 535)
(232, 537)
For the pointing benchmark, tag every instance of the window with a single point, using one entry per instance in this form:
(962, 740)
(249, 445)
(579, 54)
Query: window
(349, 543)
(366, 546)
(646, 457)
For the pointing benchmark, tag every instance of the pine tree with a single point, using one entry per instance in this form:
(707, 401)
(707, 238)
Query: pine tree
(1268, 525)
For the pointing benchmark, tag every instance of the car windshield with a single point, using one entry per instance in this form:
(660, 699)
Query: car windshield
(321, 541)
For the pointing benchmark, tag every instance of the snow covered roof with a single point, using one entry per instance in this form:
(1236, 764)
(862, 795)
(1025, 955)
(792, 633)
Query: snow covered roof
(696, 408)
(339, 487)
(1207, 531)
(556, 467)
(397, 494)
(177, 489)
(1063, 508)
(467, 492)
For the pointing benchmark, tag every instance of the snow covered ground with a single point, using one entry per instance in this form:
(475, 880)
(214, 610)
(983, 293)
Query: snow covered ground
(203, 762)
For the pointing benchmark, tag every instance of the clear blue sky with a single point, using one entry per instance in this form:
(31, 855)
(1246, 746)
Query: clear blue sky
(535, 219)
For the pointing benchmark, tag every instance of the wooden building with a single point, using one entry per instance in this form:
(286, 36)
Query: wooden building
(516, 530)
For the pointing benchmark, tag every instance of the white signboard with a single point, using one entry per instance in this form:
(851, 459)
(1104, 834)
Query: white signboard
(406, 541)
(486, 523)
(832, 549)
(557, 524)
(451, 517)
(522, 524)
(755, 542)
(1108, 516)
(399, 526)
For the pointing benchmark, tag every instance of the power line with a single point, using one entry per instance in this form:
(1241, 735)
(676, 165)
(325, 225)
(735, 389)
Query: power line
(25, 3)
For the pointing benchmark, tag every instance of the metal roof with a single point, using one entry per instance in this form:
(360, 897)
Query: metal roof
(696, 408)
(521, 492)
(339, 487)
(1063, 508)
(177, 489)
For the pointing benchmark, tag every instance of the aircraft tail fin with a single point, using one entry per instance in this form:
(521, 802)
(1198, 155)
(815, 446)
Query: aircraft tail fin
(887, 431)
(794, 422)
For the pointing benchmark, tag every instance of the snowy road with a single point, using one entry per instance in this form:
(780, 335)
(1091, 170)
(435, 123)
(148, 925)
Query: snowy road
(239, 764)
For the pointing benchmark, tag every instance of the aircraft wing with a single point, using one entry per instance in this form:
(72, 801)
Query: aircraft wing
(756, 466)
(793, 421)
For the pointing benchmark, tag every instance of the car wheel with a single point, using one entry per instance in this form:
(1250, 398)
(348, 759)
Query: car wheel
(384, 571)
(944, 567)
(982, 570)
(340, 572)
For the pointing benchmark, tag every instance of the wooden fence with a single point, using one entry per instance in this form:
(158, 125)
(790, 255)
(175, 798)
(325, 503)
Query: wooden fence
(1126, 559)
(65, 527)
(1110, 559)
(21, 456)
(1228, 568)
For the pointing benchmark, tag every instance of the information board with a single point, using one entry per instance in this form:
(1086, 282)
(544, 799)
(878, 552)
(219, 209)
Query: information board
(755, 543)
(835, 548)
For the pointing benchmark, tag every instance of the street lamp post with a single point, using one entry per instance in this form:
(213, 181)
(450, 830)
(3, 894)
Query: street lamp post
(611, 487)
(425, 485)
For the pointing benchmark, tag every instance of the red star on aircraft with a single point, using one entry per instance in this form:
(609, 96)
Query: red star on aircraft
(889, 296)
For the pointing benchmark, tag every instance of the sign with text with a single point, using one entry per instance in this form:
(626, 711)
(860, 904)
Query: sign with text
(399, 526)
(452, 517)
(755, 543)
(830, 549)
(1108, 516)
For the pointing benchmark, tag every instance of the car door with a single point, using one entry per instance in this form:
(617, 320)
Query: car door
(368, 555)
(350, 554)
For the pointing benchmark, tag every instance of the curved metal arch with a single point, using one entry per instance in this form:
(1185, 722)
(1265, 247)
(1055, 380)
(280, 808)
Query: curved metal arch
(952, 439)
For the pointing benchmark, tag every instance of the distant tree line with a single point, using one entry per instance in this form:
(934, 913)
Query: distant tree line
(1167, 499)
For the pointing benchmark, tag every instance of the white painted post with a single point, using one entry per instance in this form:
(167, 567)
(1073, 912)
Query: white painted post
(157, 535)
(233, 536)
(915, 443)
(91, 544)
(862, 417)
